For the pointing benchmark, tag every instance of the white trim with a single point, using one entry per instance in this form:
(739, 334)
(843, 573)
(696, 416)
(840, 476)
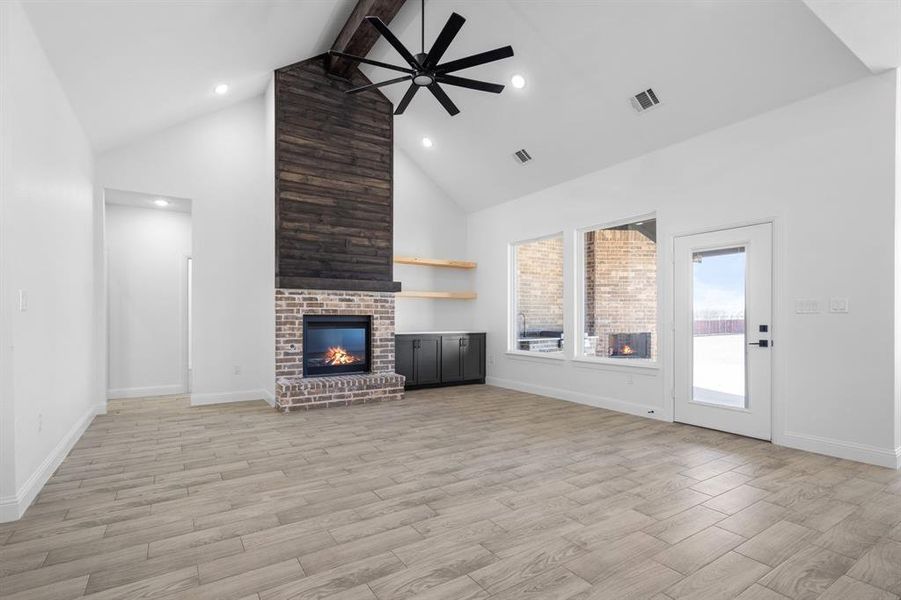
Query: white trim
(13, 507)
(631, 408)
(587, 362)
(539, 356)
(146, 392)
(226, 397)
(269, 397)
(882, 457)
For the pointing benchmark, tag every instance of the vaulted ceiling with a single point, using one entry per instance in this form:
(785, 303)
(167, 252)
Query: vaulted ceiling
(711, 64)
(134, 67)
(131, 68)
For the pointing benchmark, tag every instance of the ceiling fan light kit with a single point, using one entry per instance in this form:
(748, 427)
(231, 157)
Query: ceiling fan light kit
(424, 69)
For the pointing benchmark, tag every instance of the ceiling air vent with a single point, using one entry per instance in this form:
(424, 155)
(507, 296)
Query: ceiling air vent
(522, 157)
(643, 101)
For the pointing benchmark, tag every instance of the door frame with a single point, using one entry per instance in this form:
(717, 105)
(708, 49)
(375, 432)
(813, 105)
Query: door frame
(777, 410)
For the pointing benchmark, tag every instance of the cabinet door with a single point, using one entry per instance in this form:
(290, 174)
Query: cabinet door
(404, 353)
(473, 357)
(451, 358)
(428, 360)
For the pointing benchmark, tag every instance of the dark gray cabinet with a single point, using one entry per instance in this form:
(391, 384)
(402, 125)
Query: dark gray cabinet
(440, 359)
(418, 358)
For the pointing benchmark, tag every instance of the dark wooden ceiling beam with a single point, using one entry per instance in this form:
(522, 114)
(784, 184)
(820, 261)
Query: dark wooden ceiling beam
(357, 37)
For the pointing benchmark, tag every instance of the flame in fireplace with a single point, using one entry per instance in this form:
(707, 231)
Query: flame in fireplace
(627, 349)
(337, 355)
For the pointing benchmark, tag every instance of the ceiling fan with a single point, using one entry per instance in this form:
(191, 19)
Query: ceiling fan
(424, 69)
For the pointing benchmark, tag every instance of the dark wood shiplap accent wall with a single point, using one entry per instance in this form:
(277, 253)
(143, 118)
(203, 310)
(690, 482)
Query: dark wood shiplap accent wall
(334, 181)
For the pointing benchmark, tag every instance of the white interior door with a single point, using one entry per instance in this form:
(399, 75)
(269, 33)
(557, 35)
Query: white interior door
(723, 330)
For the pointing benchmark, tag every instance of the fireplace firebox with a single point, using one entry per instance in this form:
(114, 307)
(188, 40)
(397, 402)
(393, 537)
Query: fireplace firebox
(336, 345)
(630, 345)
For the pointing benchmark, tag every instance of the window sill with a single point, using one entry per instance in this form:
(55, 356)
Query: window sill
(536, 356)
(607, 363)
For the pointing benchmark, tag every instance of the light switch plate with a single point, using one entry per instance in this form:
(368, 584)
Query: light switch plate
(807, 306)
(23, 301)
(838, 305)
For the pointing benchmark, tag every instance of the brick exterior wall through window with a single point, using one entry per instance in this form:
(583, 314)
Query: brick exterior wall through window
(539, 284)
(620, 286)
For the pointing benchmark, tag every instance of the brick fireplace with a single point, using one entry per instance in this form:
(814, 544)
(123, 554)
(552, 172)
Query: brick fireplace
(334, 234)
(294, 390)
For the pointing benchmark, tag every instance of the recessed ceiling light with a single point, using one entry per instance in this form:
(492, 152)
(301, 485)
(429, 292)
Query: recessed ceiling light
(518, 81)
(161, 202)
(221, 89)
(427, 142)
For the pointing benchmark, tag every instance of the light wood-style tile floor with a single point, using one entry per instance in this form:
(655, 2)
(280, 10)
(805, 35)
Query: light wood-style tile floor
(457, 494)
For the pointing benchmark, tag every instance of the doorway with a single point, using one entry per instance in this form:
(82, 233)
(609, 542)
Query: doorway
(149, 281)
(724, 330)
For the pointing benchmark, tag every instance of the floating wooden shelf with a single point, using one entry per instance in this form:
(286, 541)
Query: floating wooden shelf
(434, 262)
(438, 295)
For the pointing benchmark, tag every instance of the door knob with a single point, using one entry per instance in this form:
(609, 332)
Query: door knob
(761, 343)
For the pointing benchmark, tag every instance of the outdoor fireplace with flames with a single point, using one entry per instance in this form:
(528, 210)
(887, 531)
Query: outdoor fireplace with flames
(336, 345)
(630, 345)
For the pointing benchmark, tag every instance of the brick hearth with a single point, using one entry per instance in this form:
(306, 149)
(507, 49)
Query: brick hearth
(293, 391)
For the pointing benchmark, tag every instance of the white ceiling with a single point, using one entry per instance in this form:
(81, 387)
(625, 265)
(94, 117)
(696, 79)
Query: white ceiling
(712, 63)
(139, 200)
(870, 28)
(133, 67)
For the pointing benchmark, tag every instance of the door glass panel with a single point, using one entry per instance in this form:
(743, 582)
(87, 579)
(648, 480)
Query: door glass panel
(719, 346)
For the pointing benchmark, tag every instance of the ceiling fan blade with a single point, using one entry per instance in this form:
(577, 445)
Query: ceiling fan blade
(370, 62)
(482, 86)
(391, 39)
(405, 101)
(444, 39)
(475, 60)
(363, 88)
(446, 102)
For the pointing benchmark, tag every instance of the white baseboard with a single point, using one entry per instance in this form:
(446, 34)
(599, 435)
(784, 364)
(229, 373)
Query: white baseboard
(13, 507)
(145, 392)
(226, 397)
(639, 410)
(873, 455)
(269, 397)
(882, 457)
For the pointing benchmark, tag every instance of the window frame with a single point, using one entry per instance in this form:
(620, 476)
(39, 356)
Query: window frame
(578, 351)
(512, 327)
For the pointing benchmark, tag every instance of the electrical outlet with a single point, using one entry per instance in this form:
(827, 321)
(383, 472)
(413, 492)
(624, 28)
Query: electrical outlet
(491, 359)
(237, 369)
(630, 380)
(40, 422)
(23, 300)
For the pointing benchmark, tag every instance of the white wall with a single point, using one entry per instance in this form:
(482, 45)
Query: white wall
(48, 393)
(219, 162)
(147, 269)
(428, 224)
(823, 168)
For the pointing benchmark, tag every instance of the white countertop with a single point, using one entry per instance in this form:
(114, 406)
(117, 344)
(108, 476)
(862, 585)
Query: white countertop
(434, 332)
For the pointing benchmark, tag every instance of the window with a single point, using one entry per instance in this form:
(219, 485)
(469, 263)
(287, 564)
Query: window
(619, 292)
(538, 296)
